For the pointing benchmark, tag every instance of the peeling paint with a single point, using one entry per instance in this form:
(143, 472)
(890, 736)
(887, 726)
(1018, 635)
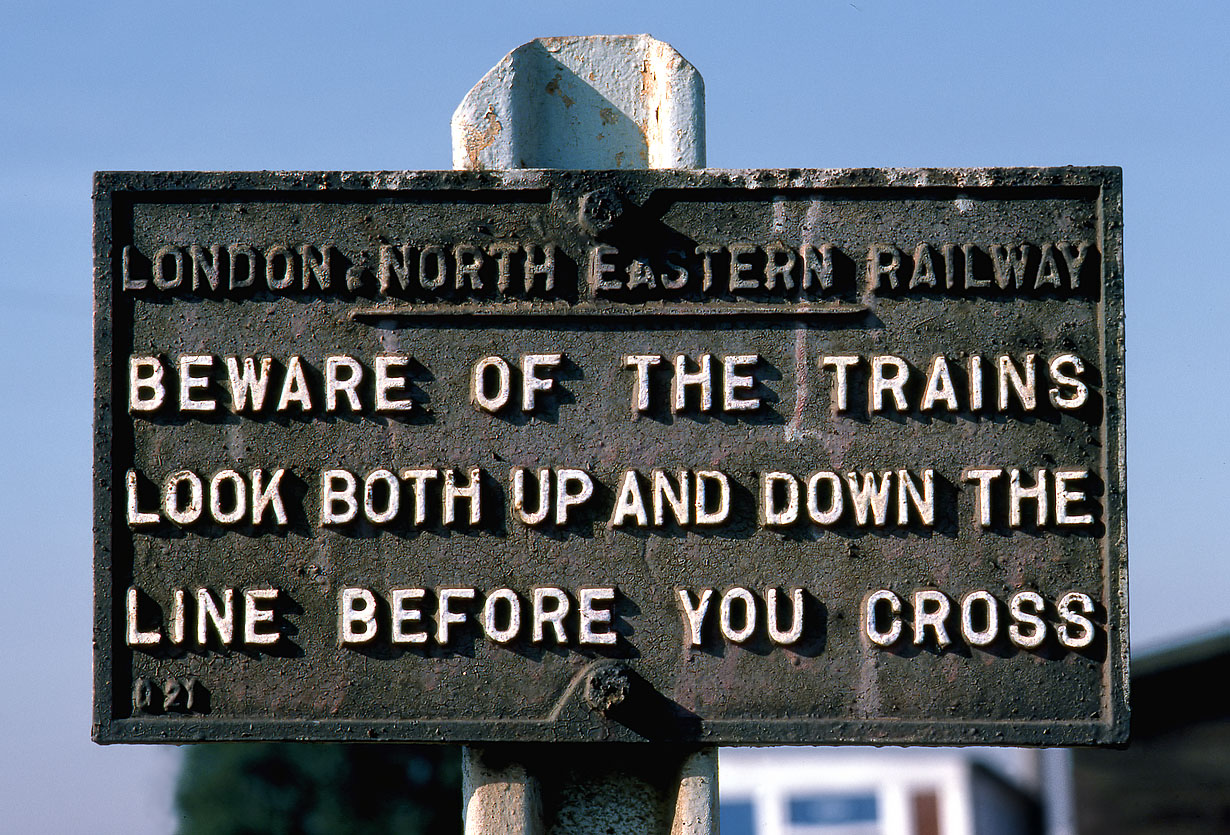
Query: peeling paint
(477, 141)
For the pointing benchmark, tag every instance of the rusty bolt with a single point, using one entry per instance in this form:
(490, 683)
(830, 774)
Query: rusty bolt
(601, 210)
(607, 687)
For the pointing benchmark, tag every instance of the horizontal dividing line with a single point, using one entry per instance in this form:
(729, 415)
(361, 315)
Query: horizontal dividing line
(523, 310)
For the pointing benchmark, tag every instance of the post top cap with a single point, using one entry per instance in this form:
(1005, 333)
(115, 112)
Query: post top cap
(589, 101)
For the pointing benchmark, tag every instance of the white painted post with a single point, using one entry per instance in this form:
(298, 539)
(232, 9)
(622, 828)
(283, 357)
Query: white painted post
(601, 101)
(499, 796)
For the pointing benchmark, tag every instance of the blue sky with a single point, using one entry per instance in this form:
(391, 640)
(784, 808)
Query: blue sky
(231, 85)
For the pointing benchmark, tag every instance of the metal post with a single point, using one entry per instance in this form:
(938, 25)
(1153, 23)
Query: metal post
(602, 101)
(586, 102)
(583, 788)
(498, 794)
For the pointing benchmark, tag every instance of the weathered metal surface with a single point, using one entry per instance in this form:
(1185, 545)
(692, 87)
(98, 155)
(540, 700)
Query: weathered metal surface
(533, 789)
(598, 101)
(812, 277)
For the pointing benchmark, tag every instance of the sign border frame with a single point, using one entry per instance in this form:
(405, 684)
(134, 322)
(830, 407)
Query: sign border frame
(1111, 728)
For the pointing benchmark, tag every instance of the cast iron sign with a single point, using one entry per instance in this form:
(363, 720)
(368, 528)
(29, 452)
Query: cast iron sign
(720, 457)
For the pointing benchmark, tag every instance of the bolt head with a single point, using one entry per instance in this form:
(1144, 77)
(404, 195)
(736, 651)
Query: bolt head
(601, 210)
(607, 687)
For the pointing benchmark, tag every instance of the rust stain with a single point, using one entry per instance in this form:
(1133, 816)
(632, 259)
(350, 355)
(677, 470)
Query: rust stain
(554, 90)
(477, 141)
(649, 81)
(608, 115)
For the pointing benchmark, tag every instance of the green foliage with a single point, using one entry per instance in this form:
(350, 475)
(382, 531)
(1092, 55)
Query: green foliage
(314, 789)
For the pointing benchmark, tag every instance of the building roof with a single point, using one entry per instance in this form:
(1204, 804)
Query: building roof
(1172, 685)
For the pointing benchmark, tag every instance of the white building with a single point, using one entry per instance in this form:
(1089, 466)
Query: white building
(895, 791)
